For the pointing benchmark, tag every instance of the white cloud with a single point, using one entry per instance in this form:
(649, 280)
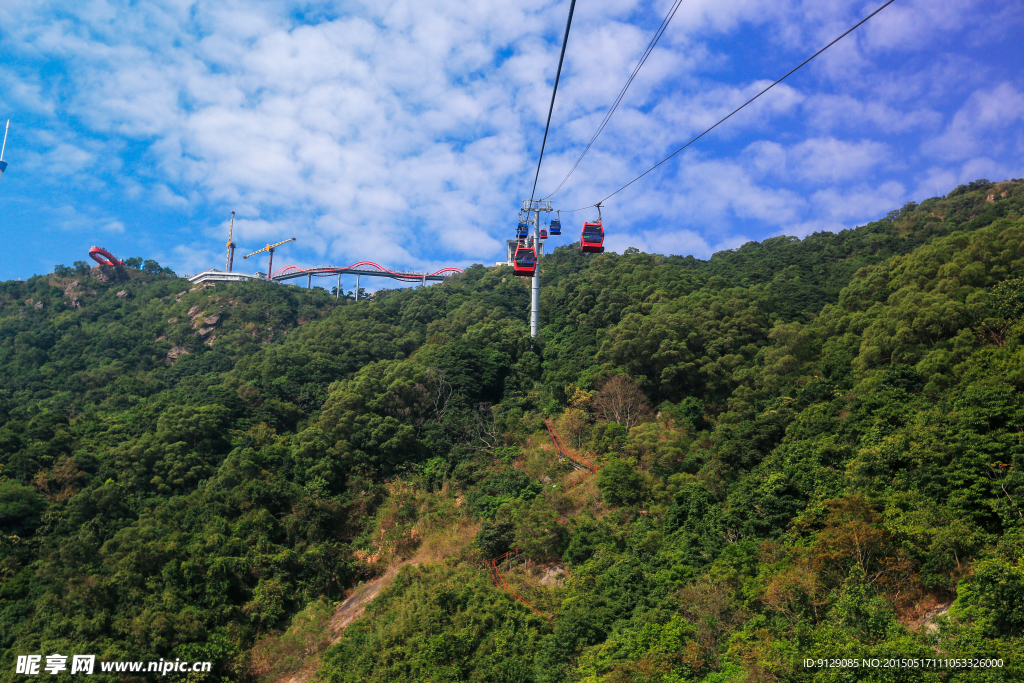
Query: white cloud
(407, 132)
(939, 180)
(681, 242)
(910, 24)
(27, 92)
(859, 202)
(846, 112)
(980, 125)
(70, 219)
(820, 159)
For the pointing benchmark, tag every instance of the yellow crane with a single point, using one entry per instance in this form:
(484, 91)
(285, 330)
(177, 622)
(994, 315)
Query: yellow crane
(270, 248)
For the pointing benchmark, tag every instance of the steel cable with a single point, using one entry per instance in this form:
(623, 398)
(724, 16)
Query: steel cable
(558, 74)
(622, 93)
(734, 111)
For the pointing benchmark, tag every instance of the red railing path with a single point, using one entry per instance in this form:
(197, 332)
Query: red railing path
(499, 581)
(578, 460)
(493, 565)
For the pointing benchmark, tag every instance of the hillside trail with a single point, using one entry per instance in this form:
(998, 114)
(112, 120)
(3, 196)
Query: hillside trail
(346, 613)
(433, 549)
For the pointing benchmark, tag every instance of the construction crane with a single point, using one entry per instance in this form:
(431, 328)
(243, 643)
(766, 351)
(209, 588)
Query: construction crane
(270, 248)
(229, 262)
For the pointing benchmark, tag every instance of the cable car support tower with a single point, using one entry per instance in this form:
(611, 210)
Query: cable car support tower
(536, 206)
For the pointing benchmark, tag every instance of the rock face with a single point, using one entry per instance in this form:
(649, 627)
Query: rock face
(75, 302)
(205, 326)
(172, 320)
(552, 574)
(122, 294)
(175, 353)
(194, 311)
(39, 304)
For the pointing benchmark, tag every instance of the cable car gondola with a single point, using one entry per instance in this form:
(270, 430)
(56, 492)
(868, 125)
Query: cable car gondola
(592, 237)
(524, 262)
(543, 233)
(556, 225)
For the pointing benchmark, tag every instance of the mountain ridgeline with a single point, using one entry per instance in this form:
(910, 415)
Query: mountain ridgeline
(806, 449)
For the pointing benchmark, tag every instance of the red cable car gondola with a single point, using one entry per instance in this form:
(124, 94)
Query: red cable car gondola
(592, 237)
(524, 263)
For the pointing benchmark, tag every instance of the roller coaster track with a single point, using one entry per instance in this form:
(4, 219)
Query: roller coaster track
(499, 581)
(363, 268)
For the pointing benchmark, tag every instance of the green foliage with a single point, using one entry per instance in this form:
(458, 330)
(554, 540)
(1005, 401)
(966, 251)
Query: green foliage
(496, 539)
(996, 590)
(463, 630)
(620, 483)
(187, 472)
(20, 508)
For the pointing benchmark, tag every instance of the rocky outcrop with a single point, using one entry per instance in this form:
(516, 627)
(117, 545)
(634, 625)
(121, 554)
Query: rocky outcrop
(123, 294)
(100, 274)
(206, 326)
(175, 353)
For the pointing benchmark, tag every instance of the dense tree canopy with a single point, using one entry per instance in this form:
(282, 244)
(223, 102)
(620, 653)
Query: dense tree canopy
(809, 448)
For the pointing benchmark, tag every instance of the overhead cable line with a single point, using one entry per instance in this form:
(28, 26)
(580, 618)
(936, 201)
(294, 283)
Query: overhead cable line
(622, 93)
(558, 74)
(848, 31)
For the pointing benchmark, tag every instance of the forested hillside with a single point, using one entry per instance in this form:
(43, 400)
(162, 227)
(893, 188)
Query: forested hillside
(807, 449)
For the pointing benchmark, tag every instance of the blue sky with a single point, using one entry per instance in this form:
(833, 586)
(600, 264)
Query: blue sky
(407, 132)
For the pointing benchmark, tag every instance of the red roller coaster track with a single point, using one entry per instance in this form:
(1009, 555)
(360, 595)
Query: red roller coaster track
(104, 257)
(364, 267)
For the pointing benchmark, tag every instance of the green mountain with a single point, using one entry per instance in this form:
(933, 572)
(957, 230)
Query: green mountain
(805, 450)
